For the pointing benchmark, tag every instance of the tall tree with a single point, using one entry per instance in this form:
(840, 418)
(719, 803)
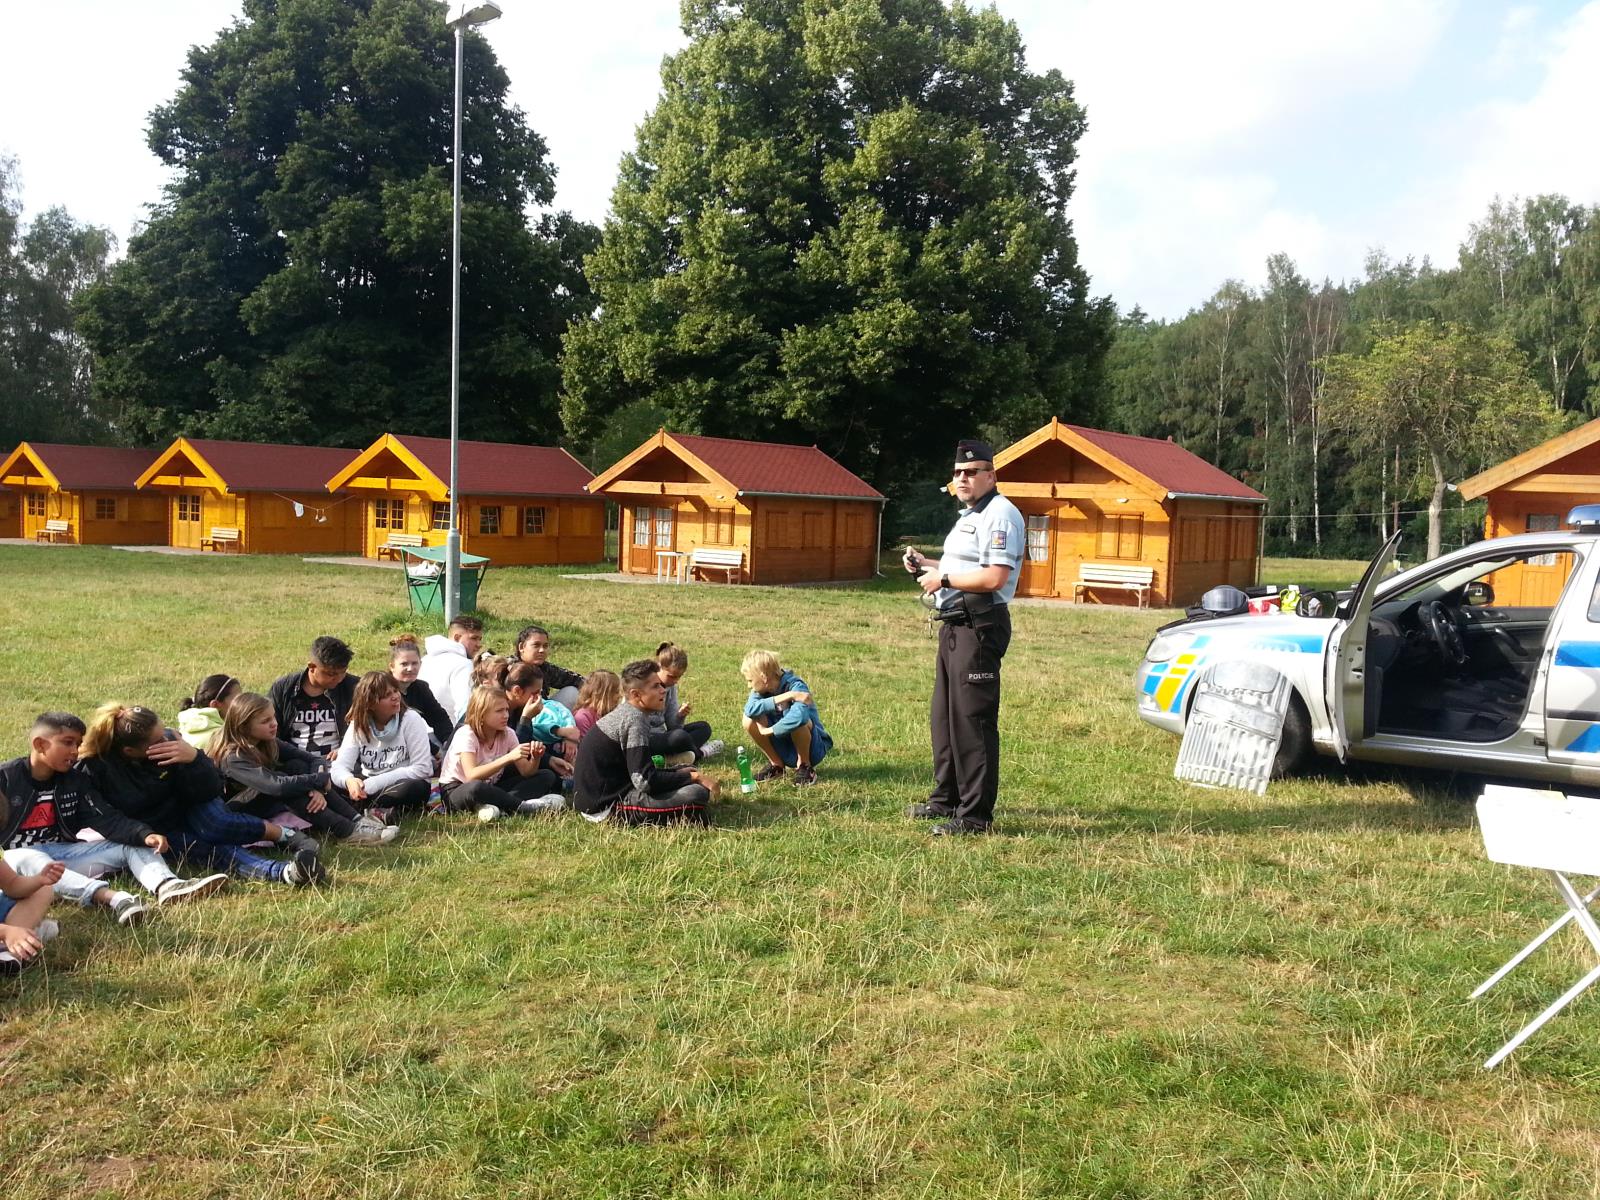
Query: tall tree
(845, 221)
(294, 283)
(1460, 399)
(45, 265)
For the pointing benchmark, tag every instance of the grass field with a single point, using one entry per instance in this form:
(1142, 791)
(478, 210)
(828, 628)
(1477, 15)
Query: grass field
(1137, 989)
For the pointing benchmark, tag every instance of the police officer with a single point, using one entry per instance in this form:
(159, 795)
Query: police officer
(972, 586)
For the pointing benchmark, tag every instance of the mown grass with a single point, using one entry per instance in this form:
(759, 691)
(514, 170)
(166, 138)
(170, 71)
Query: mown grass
(1138, 989)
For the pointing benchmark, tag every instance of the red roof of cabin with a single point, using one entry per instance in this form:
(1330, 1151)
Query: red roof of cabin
(497, 469)
(773, 469)
(1168, 464)
(85, 468)
(272, 466)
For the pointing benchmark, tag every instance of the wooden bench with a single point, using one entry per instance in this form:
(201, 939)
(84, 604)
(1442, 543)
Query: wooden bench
(730, 562)
(54, 531)
(222, 537)
(400, 541)
(1138, 580)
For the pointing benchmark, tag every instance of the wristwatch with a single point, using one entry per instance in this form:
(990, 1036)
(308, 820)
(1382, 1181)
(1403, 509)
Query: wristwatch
(944, 582)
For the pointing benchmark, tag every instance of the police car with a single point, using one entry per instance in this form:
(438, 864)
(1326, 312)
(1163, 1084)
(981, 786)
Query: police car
(1426, 667)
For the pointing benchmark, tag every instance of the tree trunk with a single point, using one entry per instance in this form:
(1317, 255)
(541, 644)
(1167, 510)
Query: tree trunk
(1435, 505)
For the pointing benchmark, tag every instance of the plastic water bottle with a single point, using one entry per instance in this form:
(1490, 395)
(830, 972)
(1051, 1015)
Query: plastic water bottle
(658, 761)
(747, 781)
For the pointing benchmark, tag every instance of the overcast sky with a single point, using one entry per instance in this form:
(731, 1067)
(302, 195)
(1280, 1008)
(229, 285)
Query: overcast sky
(1219, 132)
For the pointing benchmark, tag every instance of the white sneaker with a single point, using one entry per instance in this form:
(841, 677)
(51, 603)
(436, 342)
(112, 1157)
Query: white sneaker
(47, 930)
(684, 758)
(489, 813)
(174, 890)
(712, 748)
(388, 834)
(366, 833)
(554, 802)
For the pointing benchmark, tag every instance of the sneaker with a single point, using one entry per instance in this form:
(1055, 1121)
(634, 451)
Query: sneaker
(804, 776)
(48, 930)
(388, 834)
(554, 802)
(770, 771)
(959, 827)
(712, 748)
(304, 870)
(489, 813)
(685, 759)
(383, 816)
(928, 812)
(128, 910)
(366, 833)
(11, 965)
(174, 890)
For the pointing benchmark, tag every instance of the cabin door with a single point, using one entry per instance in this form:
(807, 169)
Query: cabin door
(186, 529)
(652, 529)
(1038, 560)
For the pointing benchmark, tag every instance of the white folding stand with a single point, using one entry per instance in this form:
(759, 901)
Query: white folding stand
(1526, 827)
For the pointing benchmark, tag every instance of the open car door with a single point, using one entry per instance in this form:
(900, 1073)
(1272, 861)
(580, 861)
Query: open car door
(1346, 663)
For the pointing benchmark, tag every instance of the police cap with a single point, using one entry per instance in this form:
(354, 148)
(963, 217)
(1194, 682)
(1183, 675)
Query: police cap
(972, 450)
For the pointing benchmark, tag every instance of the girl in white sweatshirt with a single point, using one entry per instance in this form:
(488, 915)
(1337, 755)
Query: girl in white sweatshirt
(385, 760)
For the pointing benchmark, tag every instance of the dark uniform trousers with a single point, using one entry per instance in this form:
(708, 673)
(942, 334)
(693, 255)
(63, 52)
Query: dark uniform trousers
(966, 716)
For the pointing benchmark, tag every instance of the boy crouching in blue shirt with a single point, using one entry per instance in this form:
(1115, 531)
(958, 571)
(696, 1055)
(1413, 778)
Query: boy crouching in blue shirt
(782, 719)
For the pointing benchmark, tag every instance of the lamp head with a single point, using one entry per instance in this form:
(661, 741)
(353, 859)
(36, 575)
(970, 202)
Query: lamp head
(468, 14)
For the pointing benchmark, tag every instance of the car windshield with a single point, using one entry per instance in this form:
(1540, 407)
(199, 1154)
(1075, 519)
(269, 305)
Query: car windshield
(1526, 568)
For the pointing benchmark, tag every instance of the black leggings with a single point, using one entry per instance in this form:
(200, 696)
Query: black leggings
(405, 793)
(690, 736)
(338, 818)
(685, 806)
(460, 797)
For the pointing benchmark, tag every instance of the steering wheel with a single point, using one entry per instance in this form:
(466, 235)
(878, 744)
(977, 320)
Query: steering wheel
(1441, 625)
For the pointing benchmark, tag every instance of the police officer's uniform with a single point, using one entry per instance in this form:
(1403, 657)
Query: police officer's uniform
(966, 687)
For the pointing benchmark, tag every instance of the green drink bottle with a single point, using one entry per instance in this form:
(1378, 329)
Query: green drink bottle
(747, 781)
(658, 762)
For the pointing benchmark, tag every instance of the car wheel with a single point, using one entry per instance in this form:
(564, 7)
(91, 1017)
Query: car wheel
(1295, 745)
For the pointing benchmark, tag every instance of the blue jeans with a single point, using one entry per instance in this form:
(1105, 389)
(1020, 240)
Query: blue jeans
(87, 861)
(216, 837)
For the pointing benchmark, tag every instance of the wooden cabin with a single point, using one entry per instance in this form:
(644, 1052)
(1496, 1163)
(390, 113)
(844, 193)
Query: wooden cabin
(791, 513)
(519, 505)
(90, 488)
(1093, 498)
(1532, 493)
(274, 496)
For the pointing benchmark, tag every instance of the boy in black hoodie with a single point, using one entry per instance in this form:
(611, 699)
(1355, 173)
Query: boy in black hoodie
(312, 705)
(51, 802)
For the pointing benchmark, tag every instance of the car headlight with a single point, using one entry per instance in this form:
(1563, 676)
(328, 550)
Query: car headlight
(1165, 647)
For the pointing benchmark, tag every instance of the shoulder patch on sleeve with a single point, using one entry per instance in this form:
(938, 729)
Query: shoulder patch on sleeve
(997, 539)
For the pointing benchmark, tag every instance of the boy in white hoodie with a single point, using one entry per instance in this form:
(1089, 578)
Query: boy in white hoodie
(447, 665)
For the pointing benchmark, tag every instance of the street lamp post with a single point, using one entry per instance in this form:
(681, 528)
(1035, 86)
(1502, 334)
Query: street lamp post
(464, 15)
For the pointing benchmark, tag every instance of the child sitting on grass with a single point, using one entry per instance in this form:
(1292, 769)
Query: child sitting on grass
(547, 722)
(264, 774)
(23, 929)
(200, 715)
(384, 761)
(781, 718)
(600, 693)
(311, 704)
(447, 666)
(487, 769)
(679, 742)
(52, 802)
(614, 776)
(533, 648)
(405, 660)
(150, 774)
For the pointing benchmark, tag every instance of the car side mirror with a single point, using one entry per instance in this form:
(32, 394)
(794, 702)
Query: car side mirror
(1317, 604)
(1478, 593)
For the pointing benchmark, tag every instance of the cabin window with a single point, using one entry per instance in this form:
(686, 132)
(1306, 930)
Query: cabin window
(1120, 537)
(1244, 537)
(441, 515)
(1543, 523)
(1216, 539)
(663, 529)
(489, 519)
(36, 504)
(1039, 538)
(855, 529)
(641, 526)
(388, 514)
(719, 526)
(813, 531)
(188, 507)
(105, 508)
(533, 521)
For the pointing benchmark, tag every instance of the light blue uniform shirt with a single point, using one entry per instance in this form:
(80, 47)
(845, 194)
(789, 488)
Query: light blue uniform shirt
(990, 533)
